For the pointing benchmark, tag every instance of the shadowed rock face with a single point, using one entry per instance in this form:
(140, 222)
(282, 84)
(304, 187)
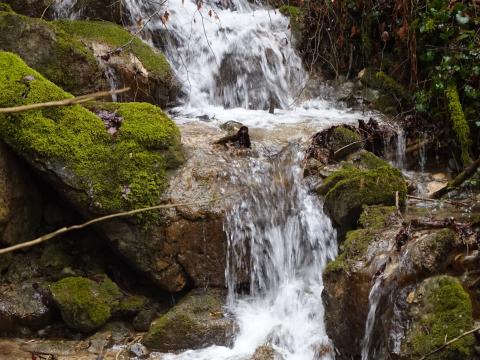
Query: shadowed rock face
(20, 202)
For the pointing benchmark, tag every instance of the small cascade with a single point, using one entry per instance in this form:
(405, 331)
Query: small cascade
(279, 232)
(422, 156)
(230, 53)
(64, 9)
(111, 79)
(373, 301)
(400, 155)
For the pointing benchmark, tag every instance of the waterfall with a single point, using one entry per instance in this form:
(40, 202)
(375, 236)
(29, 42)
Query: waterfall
(373, 301)
(400, 160)
(279, 232)
(64, 9)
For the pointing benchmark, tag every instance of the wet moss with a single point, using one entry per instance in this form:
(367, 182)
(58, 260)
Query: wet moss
(112, 173)
(115, 36)
(342, 136)
(459, 122)
(372, 221)
(445, 312)
(85, 304)
(5, 7)
(295, 15)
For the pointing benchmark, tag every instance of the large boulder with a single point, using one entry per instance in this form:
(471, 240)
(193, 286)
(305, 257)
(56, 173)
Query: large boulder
(197, 321)
(20, 201)
(80, 57)
(123, 156)
(366, 180)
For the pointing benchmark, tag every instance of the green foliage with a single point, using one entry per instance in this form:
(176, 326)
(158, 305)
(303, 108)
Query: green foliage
(5, 7)
(115, 36)
(445, 313)
(117, 173)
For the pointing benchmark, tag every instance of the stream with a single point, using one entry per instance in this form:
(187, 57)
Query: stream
(233, 58)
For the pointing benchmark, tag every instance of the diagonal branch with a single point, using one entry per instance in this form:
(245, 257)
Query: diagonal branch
(64, 230)
(449, 343)
(66, 102)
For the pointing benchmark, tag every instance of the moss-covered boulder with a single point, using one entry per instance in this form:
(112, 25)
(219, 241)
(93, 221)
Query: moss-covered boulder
(196, 321)
(49, 50)
(98, 171)
(87, 304)
(440, 310)
(370, 181)
(136, 65)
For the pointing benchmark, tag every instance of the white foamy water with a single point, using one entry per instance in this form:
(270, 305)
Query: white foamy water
(289, 239)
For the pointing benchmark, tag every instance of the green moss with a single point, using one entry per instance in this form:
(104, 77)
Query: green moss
(296, 19)
(368, 160)
(459, 123)
(112, 173)
(131, 305)
(342, 136)
(289, 10)
(445, 313)
(5, 7)
(372, 220)
(55, 258)
(85, 304)
(115, 36)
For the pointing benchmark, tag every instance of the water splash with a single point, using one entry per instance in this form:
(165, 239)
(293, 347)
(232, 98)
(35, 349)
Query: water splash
(279, 232)
(64, 9)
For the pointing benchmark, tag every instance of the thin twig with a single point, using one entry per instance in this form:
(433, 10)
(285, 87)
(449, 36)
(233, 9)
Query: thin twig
(63, 230)
(449, 343)
(437, 200)
(65, 102)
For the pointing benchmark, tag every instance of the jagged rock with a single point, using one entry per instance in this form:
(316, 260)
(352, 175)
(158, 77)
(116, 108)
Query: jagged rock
(20, 201)
(264, 352)
(24, 305)
(144, 318)
(196, 321)
(367, 180)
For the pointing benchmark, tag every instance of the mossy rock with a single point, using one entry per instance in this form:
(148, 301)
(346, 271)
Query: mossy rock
(5, 7)
(85, 304)
(372, 221)
(139, 66)
(59, 57)
(196, 321)
(441, 310)
(99, 172)
(353, 186)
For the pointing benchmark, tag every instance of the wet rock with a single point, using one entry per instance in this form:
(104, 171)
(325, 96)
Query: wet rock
(440, 309)
(195, 322)
(20, 201)
(264, 352)
(87, 304)
(24, 305)
(139, 351)
(363, 252)
(144, 318)
(428, 255)
(367, 181)
(231, 126)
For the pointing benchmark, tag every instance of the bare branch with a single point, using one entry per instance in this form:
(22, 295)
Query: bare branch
(64, 230)
(449, 343)
(66, 102)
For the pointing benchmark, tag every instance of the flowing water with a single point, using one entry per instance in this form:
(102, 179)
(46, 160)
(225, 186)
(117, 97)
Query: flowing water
(280, 233)
(233, 59)
(373, 301)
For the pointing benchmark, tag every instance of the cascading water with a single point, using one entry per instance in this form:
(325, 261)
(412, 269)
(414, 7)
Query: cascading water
(373, 301)
(280, 227)
(64, 9)
(400, 159)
